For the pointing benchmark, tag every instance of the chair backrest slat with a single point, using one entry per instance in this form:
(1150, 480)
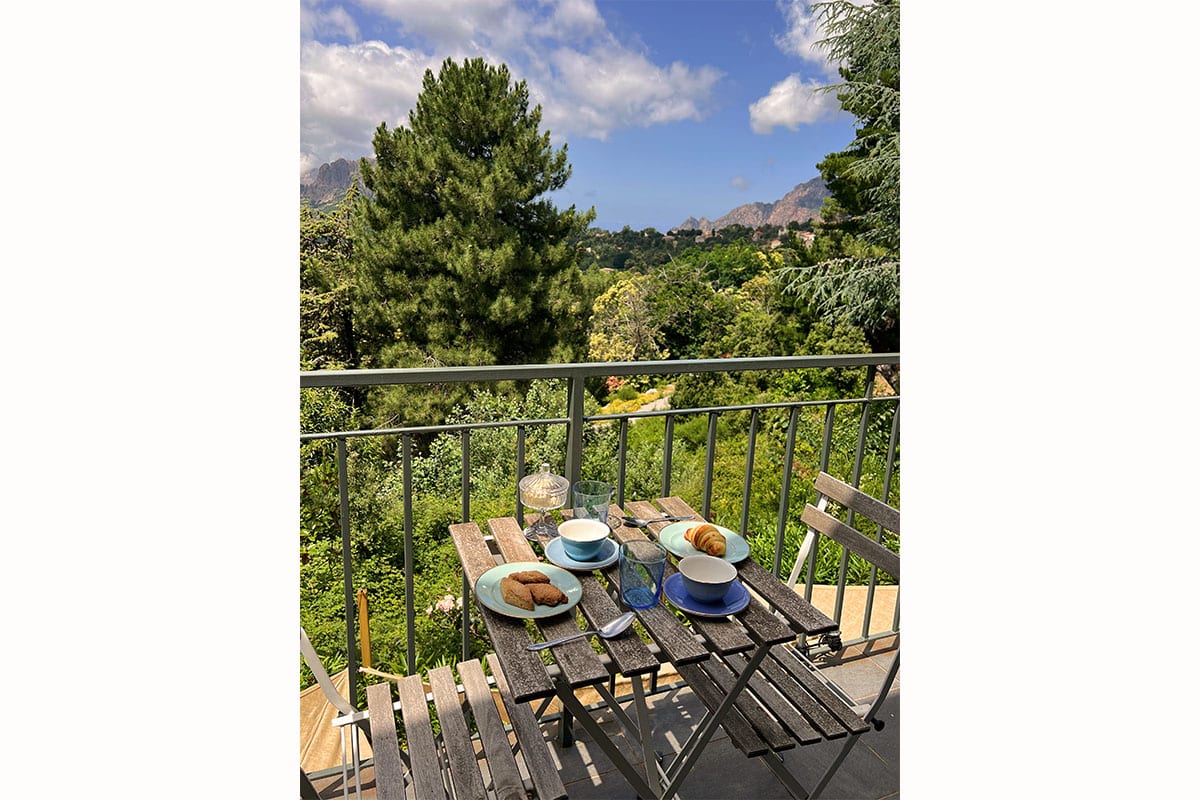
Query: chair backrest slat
(318, 670)
(859, 501)
(851, 539)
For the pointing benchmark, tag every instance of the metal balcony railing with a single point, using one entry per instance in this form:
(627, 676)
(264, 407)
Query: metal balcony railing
(869, 406)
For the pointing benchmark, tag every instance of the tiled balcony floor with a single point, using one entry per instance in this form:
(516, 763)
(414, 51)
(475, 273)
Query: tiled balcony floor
(870, 772)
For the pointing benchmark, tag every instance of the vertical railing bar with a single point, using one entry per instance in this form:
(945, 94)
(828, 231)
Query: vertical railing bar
(823, 466)
(856, 479)
(575, 390)
(347, 568)
(466, 475)
(887, 484)
(785, 489)
(668, 448)
(466, 618)
(752, 438)
(520, 474)
(709, 457)
(622, 434)
(860, 448)
(409, 600)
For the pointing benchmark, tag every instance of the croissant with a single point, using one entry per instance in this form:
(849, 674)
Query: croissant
(707, 538)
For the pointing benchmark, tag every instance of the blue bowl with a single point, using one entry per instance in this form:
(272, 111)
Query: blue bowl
(583, 538)
(707, 578)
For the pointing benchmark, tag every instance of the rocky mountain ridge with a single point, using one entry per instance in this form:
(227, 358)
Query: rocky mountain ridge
(326, 185)
(800, 205)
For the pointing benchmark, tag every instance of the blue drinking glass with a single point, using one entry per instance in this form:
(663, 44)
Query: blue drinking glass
(642, 564)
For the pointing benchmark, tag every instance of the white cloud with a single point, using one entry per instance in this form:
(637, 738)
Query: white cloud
(592, 94)
(794, 101)
(587, 82)
(791, 103)
(347, 90)
(739, 182)
(804, 32)
(335, 22)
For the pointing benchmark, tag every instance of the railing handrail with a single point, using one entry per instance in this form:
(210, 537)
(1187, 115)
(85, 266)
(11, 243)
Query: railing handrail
(384, 377)
(575, 420)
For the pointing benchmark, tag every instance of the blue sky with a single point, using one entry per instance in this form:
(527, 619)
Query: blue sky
(669, 108)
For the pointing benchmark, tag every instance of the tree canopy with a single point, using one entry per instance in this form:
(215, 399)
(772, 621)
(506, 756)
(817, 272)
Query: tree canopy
(462, 258)
(859, 281)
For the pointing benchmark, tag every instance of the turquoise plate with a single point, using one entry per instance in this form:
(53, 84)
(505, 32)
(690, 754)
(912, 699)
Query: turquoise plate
(487, 589)
(736, 548)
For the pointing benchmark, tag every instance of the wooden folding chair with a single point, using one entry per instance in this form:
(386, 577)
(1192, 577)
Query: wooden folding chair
(822, 523)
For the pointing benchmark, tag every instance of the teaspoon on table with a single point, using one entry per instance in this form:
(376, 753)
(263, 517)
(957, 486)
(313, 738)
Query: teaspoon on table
(606, 631)
(637, 522)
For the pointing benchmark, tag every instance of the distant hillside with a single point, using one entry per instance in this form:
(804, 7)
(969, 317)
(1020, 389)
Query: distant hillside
(326, 185)
(800, 204)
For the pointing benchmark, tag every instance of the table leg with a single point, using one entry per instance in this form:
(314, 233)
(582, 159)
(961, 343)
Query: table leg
(566, 730)
(571, 702)
(691, 750)
(645, 730)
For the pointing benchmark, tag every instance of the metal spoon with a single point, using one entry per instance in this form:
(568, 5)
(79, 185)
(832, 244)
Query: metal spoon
(607, 631)
(635, 522)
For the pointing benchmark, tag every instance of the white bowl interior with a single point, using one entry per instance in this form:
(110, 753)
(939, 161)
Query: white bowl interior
(707, 569)
(583, 530)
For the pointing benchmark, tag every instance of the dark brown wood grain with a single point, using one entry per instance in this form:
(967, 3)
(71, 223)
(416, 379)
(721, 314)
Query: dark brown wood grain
(859, 501)
(456, 738)
(526, 673)
(580, 664)
(506, 777)
(770, 696)
(534, 748)
(761, 719)
(791, 661)
(389, 769)
(629, 653)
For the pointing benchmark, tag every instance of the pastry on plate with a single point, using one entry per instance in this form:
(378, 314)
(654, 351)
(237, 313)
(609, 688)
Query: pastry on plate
(706, 538)
(516, 594)
(530, 576)
(546, 594)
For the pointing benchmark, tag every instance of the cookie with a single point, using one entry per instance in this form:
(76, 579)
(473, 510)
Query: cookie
(529, 576)
(516, 594)
(546, 594)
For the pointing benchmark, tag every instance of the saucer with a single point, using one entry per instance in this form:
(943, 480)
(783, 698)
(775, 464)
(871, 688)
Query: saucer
(556, 553)
(736, 600)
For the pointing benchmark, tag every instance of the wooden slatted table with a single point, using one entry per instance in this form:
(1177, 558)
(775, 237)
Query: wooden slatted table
(739, 666)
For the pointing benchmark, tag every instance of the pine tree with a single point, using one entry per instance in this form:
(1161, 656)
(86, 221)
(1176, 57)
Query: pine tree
(462, 259)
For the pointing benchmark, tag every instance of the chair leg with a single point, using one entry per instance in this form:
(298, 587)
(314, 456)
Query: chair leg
(307, 790)
(853, 740)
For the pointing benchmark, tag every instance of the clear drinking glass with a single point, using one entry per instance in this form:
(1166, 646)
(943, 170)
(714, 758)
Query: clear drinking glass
(591, 499)
(642, 564)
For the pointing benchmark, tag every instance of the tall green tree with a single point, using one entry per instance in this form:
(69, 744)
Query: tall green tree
(326, 279)
(462, 258)
(860, 284)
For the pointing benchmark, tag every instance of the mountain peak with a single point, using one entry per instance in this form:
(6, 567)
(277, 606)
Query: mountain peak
(800, 205)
